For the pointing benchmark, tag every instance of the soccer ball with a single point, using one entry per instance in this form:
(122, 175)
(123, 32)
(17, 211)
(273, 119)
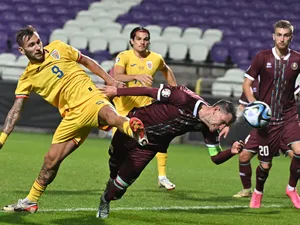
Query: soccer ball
(257, 114)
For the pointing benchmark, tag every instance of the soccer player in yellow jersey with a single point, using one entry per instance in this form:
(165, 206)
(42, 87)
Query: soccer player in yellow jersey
(137, 67)
(54, 73)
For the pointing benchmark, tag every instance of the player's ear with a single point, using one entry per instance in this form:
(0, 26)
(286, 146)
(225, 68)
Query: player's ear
(21, 50)
(273, 37)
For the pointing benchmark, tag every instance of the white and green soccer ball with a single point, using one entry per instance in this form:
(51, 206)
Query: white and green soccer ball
(257, 114)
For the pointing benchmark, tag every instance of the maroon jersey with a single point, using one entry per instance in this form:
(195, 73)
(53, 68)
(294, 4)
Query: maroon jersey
(174, 114)
(277, 82)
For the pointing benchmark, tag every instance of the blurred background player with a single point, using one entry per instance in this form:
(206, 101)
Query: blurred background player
(278, 69)
(245, 170)
(177, 111)
(54, 73)
(137, 67)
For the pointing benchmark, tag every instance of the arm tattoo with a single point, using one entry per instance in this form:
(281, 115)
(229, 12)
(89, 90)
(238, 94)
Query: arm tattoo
(13, 115)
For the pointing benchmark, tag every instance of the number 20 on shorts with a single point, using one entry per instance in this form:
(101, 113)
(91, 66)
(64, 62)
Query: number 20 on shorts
(57, 71)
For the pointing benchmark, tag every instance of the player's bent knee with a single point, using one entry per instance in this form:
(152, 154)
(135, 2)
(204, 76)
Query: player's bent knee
(266, 165)
(245, 156)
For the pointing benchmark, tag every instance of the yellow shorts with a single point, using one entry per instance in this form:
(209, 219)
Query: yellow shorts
(79, 121)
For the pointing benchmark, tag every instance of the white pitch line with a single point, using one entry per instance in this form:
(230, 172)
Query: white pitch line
(159, 208)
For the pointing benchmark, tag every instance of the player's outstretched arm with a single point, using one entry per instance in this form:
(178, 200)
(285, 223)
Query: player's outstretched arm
(95, 68)
(225, 155)
(132, 91)
(11, 119)
(169, 75)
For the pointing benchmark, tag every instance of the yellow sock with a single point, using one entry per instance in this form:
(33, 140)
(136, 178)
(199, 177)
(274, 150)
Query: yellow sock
(161, 163)
(36, 191)
(127, 129)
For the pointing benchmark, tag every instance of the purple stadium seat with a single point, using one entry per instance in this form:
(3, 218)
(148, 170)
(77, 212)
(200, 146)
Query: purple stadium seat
(236, 22)
(248, 13)
(148, 6)
(228, 12)
(203, 2)
(232, 42)
(197, 20)
(259, 5)
(219, 53)
(256, 23)
(43, 9)
(267, 14)
(9, 16)
(158, 17)
(183, 2)
(252, 43)
(178, 19)
(244, 32)
(208, 11)
(216, 21)
(239, 54)
(189, 9)
(23, 8)
(264, 34)
(170, 8)
(244, 64)
(28, 18)
(227, 30)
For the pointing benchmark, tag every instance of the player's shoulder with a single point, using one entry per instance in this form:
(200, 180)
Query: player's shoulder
(155, 55)
(295, 53)
(264, 52)
(126, 53)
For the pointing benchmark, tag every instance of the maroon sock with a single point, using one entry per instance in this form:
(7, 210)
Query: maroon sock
(114, 190)
(294, 170)
(245, 174)
(261, 177)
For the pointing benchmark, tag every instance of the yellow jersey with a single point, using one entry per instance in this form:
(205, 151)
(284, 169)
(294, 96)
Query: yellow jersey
(135, 65)
(59, 79)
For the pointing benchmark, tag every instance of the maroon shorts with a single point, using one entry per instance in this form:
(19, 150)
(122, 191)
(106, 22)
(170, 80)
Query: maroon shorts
(128, 159)
(267, 142)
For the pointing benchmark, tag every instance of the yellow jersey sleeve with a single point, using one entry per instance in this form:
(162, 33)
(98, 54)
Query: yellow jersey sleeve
(122, 59)
(73, 53)
(161, 63)
(24, 87)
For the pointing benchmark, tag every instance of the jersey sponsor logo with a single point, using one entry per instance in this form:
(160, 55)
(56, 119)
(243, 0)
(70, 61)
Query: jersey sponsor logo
(269, 65)
(133, 64)
(99, 102)
(166, 93)
(149, 65)
(55, 54)
(294, 66)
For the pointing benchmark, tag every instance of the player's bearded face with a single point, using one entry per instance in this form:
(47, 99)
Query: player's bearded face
(282, 38)
(33, 48)
(218, 120)
(140, 42)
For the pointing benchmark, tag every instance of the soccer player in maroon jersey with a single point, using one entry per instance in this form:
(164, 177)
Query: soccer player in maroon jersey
(278, 69)
(245, 170)
(177, 111)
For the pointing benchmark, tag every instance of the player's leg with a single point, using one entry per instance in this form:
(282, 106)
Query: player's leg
(129, 171)
(269, 141)
(163, 181)
(71, 133)
(52, 160)
(132, 127)
(292, 133)
(245, 172)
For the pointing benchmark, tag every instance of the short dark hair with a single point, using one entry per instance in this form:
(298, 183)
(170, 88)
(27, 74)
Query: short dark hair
(135, 30)
(227, 107)
(27, 31)
(284, 24)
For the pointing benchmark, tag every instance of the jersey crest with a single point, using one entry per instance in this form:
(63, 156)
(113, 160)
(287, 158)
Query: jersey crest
(149, 65)
(55, 54)
(294, 66)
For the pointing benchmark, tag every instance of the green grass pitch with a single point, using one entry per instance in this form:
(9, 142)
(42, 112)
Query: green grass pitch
(202, 195)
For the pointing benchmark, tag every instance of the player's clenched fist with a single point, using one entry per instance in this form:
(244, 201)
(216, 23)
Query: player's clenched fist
(237, 147)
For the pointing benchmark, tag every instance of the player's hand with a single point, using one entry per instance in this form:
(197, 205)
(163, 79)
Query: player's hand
(145, 80)
(109, 91)
(224, 132)
(237, 147)
(117, 84)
